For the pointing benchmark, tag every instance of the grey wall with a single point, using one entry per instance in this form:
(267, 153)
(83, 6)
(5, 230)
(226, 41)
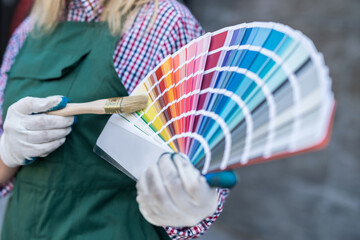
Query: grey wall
(316, 195)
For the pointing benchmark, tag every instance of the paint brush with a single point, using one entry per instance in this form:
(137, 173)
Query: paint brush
(104, 106)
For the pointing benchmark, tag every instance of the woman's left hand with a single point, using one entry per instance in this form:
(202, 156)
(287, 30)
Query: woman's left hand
(174, 193)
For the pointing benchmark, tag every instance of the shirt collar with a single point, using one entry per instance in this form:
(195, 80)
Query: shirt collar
(90, 8)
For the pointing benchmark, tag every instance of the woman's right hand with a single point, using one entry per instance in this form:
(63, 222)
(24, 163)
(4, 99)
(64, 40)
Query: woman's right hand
(29, 132)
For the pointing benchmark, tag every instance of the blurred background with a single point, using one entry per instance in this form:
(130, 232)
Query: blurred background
(311, 196)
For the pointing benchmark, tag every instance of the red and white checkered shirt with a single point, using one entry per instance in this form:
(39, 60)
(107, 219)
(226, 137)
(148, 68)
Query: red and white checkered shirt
(134, 57)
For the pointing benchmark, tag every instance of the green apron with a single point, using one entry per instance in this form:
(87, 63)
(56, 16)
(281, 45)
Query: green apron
(72, 193)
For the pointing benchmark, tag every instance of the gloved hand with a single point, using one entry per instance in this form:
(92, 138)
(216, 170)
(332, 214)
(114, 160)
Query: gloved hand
(173, 193)
(28, 135)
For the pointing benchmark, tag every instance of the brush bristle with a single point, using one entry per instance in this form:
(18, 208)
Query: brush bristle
(133, 104)
(125, 104)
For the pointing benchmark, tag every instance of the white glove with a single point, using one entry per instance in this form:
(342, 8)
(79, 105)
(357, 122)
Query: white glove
(28, 135)
(173, 193)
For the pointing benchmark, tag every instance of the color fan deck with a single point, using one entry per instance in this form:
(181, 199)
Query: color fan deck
(241, 95)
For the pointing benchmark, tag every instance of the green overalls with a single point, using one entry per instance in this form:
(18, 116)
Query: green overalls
(72, 193)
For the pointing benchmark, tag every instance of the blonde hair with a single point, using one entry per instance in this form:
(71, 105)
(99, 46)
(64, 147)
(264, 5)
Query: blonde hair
(119, 14)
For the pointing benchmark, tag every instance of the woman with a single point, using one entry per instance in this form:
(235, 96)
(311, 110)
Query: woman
(65, 191)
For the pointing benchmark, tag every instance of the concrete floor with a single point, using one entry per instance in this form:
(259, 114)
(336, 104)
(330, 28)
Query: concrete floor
(316, 195)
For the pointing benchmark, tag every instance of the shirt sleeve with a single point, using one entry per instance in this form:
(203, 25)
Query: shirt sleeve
(185, 30)
(141, 48)
(203, 226)
(15, 43)
(139, 51)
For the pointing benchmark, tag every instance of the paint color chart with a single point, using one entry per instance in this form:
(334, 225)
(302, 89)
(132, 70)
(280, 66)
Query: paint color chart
(241, 95)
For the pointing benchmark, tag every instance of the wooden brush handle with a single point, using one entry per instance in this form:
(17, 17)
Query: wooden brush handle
(104, 106)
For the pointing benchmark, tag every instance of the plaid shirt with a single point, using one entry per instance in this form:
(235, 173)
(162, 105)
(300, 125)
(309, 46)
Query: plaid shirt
(134, 56)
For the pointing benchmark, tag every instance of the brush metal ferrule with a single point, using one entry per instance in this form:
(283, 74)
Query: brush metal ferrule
(113, 105)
